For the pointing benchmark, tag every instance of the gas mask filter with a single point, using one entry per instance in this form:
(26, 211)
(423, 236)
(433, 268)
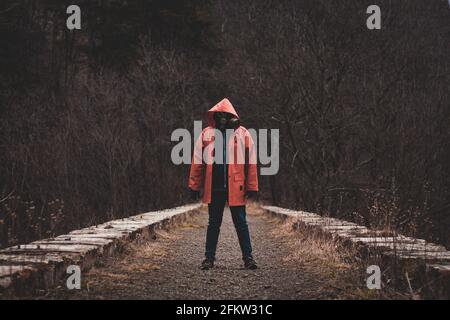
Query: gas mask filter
(226, 120)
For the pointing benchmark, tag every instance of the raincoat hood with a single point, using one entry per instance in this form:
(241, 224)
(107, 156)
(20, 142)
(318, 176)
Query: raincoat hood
(223, 106)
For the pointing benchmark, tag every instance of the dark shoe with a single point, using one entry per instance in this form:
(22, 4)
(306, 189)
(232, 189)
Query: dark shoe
(207, 264)
(249, 263)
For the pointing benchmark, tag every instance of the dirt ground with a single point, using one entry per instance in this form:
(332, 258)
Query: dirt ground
(291, 266)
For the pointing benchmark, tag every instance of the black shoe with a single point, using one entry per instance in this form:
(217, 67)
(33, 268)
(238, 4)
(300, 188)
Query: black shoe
(249, 263)
(207, 264)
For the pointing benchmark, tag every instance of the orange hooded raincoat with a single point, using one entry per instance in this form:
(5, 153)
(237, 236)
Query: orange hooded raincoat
(242, 167)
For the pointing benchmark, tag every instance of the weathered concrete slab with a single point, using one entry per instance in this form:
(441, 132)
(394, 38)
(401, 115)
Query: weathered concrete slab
(31, 259)
(100, 233)
(428, 262)
(76, 248)
(43, 263)
(76, 240)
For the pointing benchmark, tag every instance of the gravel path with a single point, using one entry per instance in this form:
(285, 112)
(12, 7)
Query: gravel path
(290, 267)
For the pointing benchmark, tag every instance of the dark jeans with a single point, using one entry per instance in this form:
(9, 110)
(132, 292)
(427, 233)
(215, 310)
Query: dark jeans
(238, 214)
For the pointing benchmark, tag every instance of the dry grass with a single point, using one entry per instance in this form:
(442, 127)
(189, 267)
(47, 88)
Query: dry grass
(342, 265)
(150, 253)
(191, 225)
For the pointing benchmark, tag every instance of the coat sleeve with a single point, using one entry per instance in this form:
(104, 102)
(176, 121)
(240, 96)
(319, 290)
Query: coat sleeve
(197, 166)
(251, 163)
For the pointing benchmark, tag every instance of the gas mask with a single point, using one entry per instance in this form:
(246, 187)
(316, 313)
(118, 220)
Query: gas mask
(225, 120)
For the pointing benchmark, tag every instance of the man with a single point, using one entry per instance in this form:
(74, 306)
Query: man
(224, 163)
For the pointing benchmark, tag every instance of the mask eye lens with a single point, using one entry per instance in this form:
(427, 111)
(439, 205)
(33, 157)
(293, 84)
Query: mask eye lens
(224, 117)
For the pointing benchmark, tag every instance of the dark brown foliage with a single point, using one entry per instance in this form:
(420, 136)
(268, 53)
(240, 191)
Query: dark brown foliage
(86, 116)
